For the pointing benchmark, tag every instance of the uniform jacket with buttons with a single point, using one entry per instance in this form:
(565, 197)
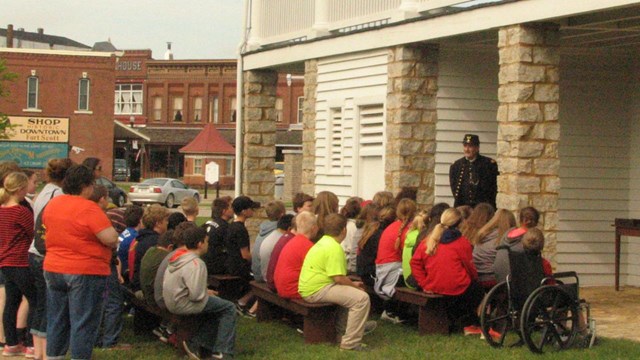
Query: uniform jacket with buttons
(474, 182)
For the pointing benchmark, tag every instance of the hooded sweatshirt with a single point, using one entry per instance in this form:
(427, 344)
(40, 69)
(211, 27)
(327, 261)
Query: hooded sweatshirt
(513, 240)
(185, 283)
(266, 228)
(450, 270)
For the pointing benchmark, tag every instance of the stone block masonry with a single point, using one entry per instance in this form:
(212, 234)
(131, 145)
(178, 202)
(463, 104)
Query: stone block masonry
(309, 127)
(411, 120)
(528, 124)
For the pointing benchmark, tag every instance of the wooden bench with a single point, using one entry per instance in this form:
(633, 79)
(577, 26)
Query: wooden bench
(229, 287)
(319, 318)
(185, 324)
(432, 314)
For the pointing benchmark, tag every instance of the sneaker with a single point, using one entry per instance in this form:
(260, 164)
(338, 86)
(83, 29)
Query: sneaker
(300, 331)
(159, 331)
(494, 334)
(392, 318)
(360, 348)
(191, 350)
(244, 312)
(219, 355)
(173, 340)
(369, 326)
(29, 352)
(15, 350)
(472, 330)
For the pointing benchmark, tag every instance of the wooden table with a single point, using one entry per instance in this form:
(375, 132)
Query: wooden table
(626, 227)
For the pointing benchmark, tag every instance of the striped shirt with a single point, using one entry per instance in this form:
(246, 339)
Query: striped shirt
(16, 234)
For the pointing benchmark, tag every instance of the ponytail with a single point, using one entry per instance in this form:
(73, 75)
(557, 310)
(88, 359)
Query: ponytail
(450, 219)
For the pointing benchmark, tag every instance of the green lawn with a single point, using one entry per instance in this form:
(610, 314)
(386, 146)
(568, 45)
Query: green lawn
(278, 341)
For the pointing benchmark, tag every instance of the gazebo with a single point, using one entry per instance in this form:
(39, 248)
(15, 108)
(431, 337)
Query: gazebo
(208, 146)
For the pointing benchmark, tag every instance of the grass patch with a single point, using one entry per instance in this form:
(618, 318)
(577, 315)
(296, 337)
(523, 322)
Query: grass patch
(275, 340)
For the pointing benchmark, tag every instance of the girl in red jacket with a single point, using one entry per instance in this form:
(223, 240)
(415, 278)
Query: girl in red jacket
(443, 264)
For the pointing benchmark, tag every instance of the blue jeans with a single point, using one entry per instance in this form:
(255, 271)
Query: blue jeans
(220, 338)
(39, 324)
(74, 304)
(112, 310)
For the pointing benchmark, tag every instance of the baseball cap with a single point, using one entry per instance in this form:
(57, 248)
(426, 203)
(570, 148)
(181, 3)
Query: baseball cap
(242, 203)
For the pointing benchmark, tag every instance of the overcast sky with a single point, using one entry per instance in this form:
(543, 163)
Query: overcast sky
(198, 29)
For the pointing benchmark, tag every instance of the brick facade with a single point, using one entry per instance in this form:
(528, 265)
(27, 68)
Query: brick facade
(58, 74)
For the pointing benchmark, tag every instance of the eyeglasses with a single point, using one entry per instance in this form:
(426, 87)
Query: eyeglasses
(99, 167)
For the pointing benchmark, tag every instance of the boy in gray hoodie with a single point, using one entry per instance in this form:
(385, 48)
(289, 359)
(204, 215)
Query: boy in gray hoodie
(185, 293)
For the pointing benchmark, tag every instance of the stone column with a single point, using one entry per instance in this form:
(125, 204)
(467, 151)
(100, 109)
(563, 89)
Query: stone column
(411, 120)
(309, 127)
(259, 138)
(528, 126)
(292, 171)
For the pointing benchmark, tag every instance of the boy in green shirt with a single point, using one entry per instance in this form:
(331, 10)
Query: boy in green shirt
(323, 278)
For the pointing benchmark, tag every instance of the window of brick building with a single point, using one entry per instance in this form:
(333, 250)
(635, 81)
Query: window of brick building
(197, 167)
(232, 108)
(83, 94)
(32, 92)
(197, 109)
(177, 108)
(228, 167)
(213, 109)
(128, 99)
(157, 108)
(300, 109)
(279, 108)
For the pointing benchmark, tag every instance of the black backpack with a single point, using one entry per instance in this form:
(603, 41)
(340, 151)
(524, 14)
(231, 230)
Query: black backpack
(40, 230)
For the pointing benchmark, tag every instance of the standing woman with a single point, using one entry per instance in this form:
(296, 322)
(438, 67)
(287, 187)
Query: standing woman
(80, 239)
(55, 171)
(16, 234)
(443, 265)
(95, 165)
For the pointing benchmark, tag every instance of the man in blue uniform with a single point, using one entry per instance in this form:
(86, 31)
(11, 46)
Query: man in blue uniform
(473, 178)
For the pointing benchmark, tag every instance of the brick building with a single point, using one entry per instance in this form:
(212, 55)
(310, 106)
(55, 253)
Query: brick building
(61, 100)
(168, 102)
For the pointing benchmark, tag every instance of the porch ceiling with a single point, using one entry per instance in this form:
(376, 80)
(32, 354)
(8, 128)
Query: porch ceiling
(613, 29)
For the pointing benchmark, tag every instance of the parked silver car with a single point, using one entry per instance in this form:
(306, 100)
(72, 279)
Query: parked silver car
(167, 191)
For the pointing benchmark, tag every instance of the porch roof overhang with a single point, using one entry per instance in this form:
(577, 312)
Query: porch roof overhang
(124, 132)
(594, 23)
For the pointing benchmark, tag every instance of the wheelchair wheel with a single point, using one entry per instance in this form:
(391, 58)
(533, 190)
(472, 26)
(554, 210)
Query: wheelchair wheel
(549, 319)
(495, 316)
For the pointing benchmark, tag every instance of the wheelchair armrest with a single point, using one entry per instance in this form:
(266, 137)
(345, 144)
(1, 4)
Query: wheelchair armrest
(565, 274)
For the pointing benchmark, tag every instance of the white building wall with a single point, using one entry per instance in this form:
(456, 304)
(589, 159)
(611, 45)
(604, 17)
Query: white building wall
(467, 103)
(350, 100)
(630, 261)
(596, 166)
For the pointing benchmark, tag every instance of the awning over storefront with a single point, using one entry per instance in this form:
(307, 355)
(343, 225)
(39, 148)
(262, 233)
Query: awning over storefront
(124, 132)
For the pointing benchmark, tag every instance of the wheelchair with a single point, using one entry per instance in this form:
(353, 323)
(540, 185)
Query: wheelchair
(545, 313)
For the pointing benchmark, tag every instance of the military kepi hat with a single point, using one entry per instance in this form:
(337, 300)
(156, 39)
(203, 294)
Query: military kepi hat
(471, 139)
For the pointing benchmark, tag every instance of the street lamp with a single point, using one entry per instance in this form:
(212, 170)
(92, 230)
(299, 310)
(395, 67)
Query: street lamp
(132, 120)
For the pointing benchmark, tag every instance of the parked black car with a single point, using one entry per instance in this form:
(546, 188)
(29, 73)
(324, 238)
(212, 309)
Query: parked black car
(117, 195)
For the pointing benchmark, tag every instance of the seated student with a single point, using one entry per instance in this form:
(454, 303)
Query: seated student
(443, 265)
(289, 263)
(389, 260)
(190, 208)
(529, 217)
(302, 202)
(217, 227)
(488, 238)
(185, 293)
(284, 229)
(277, 251)
(323, 278)
(430, 223)
(155, 220)
(151, 262)
(274, 210)
(237, 243)
(351, 210)
(376, 220)
(133, 221)
(410, 241)
(533, 241)
(175, 219)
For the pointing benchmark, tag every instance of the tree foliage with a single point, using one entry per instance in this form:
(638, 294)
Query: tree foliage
(5, 77)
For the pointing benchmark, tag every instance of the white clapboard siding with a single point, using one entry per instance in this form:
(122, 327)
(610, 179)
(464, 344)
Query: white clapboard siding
(467, 103)
(595, 166)
(350, 101)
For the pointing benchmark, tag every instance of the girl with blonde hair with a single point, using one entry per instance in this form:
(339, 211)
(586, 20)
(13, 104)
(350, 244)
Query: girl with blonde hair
(484, 252)
(389, 258)
(16, 234)
(443, 265)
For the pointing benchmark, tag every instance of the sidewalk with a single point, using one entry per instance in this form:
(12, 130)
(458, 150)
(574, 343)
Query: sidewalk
(617, 313)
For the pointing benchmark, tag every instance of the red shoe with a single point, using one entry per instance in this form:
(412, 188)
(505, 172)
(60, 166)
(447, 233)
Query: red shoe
(494, 334)
(472, 330)
(29, 352)
(15, 350)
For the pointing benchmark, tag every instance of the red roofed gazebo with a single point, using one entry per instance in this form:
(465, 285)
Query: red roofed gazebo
(208, 146)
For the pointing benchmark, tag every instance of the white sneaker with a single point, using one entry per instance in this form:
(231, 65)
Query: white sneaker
(391, 318)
